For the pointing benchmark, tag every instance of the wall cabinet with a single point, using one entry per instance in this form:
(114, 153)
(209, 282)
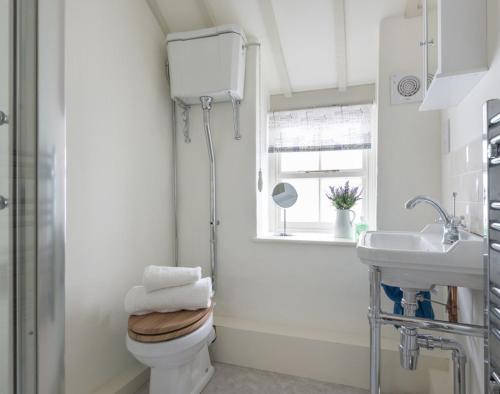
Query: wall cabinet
(454, 50)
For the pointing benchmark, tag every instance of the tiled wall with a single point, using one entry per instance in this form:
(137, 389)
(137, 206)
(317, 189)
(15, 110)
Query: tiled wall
(462, 173)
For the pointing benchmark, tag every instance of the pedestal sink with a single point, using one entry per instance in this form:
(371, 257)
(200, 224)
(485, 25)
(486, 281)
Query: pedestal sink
(419, 260)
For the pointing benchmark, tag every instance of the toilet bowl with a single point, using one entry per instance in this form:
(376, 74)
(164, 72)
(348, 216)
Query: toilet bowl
(175, 347)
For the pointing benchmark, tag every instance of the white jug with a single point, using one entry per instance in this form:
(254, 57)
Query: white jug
(343, 223)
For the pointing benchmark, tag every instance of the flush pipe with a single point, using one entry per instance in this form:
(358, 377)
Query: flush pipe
(206, 105)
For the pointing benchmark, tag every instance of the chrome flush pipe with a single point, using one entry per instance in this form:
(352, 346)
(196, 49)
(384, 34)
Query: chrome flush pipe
(206, 105)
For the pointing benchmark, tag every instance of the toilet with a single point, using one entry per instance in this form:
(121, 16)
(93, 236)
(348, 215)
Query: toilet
(175, 346)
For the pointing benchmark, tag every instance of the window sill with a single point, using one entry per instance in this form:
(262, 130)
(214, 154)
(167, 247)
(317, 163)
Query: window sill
(307, 238)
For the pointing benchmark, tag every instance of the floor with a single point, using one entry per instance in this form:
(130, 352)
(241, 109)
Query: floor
(229, 379)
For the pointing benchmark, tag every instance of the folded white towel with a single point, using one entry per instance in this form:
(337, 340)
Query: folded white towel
(193, 296)
(157, 277)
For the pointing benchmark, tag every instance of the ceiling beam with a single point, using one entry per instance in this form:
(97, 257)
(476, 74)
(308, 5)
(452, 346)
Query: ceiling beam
(207, 12)
(340, 43)
(269, 19)
(160, 19)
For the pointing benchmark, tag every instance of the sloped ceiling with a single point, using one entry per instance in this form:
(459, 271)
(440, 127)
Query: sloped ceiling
(306, 35)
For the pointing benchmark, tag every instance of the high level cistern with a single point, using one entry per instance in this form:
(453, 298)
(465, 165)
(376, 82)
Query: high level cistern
(208, 66)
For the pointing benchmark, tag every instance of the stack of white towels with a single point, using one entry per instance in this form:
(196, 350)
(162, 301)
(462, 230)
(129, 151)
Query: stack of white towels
(169, 289)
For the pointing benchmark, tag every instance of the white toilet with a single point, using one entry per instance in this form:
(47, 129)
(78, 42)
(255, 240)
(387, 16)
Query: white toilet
(175, 347)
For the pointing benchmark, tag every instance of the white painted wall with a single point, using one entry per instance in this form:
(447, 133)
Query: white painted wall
(272, 282)
(319, 288)
(119, 205)
(409, 142)
(119, 177)
(462, 165)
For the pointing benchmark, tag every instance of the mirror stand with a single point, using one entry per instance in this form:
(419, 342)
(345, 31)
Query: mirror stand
(285, 196)
(284, 233)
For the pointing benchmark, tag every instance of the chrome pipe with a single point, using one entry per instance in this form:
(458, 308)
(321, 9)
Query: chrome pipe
(493, 383)
(174, 182)
(458, 355)
(236, 117)
(206, 105)
(408, 347)
(375, 329)
(459, 373)
(434, 325)
(377, 317)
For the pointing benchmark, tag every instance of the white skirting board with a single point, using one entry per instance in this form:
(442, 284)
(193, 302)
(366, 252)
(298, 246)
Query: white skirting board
(321, 356)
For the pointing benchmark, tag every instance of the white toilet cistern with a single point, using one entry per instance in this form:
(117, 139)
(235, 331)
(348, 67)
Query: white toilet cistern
(198, 65)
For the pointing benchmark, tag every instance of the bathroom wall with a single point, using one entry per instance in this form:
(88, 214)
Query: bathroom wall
(119, 213)
(259, 280)
(285, 306)
(462, 165)
(409, 148)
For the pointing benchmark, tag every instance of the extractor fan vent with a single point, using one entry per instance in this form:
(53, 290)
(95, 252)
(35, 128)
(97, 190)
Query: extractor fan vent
(405, 88)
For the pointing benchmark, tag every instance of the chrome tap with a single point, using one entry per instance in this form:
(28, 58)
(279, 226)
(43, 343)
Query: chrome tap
(451, 223)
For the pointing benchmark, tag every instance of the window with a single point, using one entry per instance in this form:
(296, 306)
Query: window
(313, 149)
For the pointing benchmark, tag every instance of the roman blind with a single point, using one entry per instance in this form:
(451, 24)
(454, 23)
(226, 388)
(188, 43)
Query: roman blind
(321, 129)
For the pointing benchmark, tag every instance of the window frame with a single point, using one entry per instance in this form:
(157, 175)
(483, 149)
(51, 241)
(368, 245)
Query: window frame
(276, 175)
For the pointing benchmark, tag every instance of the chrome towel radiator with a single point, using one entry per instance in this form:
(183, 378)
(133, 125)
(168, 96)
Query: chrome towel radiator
(491, 155)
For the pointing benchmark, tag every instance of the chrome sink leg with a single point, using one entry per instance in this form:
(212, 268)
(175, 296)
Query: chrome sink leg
(375, 327)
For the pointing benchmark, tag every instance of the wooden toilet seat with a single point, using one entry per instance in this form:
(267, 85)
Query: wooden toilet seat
(161, 327)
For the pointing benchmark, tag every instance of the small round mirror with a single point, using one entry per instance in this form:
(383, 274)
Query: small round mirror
(284, 195)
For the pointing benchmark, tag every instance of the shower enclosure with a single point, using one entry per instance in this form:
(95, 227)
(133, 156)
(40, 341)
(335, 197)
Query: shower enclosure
(32, 196)
(5, 274)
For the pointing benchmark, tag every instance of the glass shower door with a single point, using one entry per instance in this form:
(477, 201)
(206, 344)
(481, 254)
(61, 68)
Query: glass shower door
(32, 196)
(5, 263)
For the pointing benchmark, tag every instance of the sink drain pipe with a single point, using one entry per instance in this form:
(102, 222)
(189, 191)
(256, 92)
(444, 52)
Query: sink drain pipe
(458, 355)
(411, 342)
(377, 317)
(408, 347)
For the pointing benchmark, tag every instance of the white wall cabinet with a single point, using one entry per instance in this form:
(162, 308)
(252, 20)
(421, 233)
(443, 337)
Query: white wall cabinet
(454, 50)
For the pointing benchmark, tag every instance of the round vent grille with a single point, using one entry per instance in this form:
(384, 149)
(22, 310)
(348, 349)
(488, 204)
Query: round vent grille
(408, 86)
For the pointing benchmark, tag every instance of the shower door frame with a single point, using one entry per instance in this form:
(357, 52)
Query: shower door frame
(38, 196)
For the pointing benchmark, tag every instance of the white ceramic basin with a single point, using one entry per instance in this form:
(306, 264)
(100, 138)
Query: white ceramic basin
(420, 260)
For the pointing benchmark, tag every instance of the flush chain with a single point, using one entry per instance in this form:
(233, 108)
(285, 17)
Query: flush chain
(411, 340)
